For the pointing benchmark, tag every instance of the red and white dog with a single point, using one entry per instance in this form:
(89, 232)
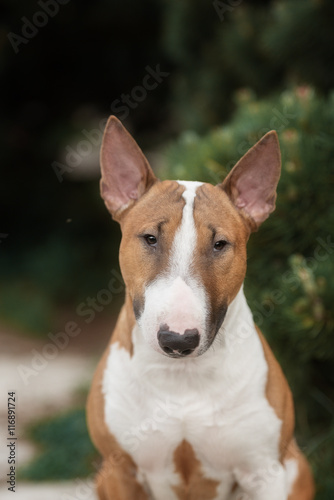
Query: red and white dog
(188, 401)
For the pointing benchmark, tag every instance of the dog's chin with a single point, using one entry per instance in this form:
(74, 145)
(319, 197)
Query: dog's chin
(193, 355)
(199, 351)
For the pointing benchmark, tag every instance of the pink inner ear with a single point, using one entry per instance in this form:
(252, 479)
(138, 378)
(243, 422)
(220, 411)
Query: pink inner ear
(127, 176)
(258, 210)
(126, 173)
(256, 195)
(122, 184)
(251, 184)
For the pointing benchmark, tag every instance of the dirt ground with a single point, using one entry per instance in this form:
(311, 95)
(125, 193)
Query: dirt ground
(44, 387)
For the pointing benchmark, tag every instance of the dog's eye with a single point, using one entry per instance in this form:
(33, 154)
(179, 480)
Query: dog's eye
(150, 240)
(219, 245)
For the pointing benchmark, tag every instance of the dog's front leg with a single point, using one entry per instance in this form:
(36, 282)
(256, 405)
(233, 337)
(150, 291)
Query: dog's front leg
(118, 482)
(264, 483)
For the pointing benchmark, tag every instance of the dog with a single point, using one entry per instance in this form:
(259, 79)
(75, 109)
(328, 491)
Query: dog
(188, 402)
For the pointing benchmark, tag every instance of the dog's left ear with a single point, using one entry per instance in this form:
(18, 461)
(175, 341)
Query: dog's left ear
(251, 184)
(126, 173)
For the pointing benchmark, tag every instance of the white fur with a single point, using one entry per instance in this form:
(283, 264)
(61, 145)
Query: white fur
(176, 298)
(216, 402)
(186, 237)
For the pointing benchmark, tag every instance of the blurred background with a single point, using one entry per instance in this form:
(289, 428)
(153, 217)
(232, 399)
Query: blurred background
(197, 83)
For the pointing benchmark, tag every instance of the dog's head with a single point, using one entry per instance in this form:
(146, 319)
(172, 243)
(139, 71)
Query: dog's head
(183, 249)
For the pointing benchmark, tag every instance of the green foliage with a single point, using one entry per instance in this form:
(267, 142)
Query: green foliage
(67, 451)
(58, 272)
(25, 307)
(263, 45)
(289, 282)
(293, 40)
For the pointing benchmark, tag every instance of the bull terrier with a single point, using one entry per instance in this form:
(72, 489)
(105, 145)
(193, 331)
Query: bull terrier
(188, 402)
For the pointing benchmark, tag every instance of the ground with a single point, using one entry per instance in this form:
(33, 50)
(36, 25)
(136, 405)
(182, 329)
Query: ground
(48, 390)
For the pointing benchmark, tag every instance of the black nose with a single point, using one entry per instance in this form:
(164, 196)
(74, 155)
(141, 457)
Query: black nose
(176, 345)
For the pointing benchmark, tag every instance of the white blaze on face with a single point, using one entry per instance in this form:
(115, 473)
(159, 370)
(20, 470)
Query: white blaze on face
(176, 298)
(186, 236)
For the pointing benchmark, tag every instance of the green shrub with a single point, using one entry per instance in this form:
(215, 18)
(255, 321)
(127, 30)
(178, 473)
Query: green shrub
(66, 450)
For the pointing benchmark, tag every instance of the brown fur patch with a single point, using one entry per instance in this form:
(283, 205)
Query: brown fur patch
(194, 485)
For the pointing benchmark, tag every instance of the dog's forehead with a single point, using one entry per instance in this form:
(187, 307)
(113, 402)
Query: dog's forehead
(161, 204)
(165, 202)
(214, 210)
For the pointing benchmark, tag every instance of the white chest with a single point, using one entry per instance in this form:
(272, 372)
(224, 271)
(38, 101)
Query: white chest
(215, 402)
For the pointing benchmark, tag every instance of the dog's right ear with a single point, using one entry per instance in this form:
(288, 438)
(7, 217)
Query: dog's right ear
(126, 173)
